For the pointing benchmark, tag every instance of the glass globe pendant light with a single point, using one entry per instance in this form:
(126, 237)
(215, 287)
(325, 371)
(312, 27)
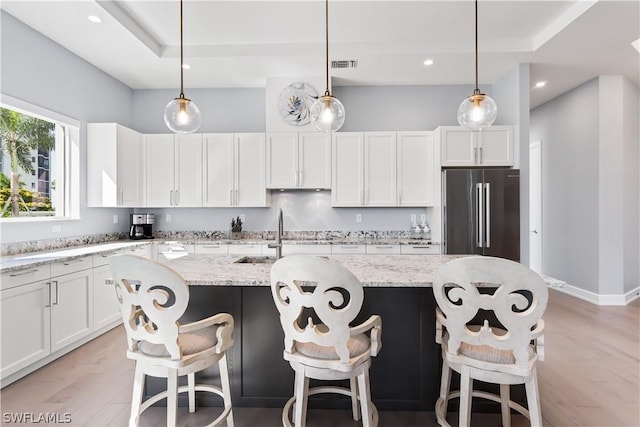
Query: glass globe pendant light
(478, 111)
(327, 112)
(181, 114)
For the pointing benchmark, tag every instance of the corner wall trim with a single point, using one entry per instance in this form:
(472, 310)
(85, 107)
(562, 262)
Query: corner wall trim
(610, 299)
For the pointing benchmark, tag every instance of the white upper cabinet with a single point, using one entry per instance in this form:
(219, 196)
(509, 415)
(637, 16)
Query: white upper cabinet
(416, 168)
(347, 169)
(234, 172)
(298, 160)
(174, 170)
(364, 169)
(379, 169)
(382, 169)
(115, 166)
(490, 147)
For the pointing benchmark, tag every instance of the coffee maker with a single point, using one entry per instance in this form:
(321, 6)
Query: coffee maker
(141, 226)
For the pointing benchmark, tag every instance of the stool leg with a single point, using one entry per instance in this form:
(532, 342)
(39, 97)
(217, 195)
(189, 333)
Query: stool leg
(191, 390)
(355, 404)
(533, 399)
(172, 397)
(505, 397)
(466, 389)
(301, 389)
(445, 384)
(136, 398)
(226, 389)
(365, 399)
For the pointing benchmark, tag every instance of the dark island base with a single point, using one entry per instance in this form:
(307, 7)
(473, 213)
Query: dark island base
(405, 376)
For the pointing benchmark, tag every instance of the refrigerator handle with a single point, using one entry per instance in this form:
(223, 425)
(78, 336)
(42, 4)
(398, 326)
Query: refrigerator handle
(479, 215)
(487, 215)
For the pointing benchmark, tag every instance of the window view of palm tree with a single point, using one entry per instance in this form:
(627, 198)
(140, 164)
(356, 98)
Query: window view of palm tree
(26, 165)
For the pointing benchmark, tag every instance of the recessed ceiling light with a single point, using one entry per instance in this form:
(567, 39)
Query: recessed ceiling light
(94, 18)
(636, 44)
(541, 84)
(428, 62)
(186, 66)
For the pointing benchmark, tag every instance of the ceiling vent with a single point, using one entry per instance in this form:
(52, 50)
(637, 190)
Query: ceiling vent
(344, 63)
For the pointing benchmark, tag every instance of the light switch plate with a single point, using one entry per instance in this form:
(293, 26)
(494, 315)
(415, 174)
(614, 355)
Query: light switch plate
(168, 217)
(358, 218)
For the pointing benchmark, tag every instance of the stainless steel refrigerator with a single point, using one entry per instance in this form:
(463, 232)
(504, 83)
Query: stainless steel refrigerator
(481, 212)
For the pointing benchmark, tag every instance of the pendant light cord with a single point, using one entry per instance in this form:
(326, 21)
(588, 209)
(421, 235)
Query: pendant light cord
(477, 90)
(181, 56)
(326, 40)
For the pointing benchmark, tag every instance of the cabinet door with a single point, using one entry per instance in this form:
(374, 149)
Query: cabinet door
(415, 169)
(24, 326)
(218, 169)
(457, 147)
(188, 171)
(159, 170)
(115, 172)
(495, 146)
(380, 169)
(71, 308)
(250, 170)
(347, 174)
(106, 309)
(130, 163)
(314, 160)
(282, 160)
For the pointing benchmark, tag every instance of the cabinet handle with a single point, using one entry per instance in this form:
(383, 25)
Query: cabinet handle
(421, 247)
(231, 197)
(109, 281)
(177, 197)
(76, 261)
(23, 273)
(56, 283)
(348, 247)
(121, 196)
(295, 178)
(475, 155)
(49, 299)
(400, 197)
(384, 247)
(237, 197)
(211, 246)
(300, 179)
(170, 197)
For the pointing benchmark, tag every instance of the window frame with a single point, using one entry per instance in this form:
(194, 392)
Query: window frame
(68, 200)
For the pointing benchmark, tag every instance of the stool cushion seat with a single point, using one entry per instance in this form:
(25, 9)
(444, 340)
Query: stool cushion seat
(357, 345)
(190, 343)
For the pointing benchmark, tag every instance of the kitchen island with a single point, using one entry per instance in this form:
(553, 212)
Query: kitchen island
(404, 376)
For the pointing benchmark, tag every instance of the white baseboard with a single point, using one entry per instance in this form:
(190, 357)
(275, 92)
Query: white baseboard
(598, 299)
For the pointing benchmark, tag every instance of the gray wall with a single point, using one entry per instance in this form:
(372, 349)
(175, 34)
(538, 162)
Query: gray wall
(36, 70)
(590, 188)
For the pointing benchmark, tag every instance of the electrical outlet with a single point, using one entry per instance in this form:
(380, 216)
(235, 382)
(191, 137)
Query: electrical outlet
(168, 217)
(56, 228)
(115, 218)
(423, 218)
(358, 218)
(242, 217)
(413, 218)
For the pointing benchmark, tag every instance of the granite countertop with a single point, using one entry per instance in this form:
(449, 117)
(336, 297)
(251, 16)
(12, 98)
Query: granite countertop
(354, 241)
(34, 259)
(371, 270)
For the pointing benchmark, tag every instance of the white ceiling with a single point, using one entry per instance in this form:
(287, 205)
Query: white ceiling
(239, 43)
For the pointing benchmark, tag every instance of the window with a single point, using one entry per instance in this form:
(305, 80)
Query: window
(39, 162)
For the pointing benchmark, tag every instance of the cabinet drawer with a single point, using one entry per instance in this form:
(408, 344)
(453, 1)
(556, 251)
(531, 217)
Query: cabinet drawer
(71, 266)
(246, 249)
(11, 279)
(103, 258)
(420, 249)
(211, 248)
(142, 250)
(348, 249)
(305, 249)
(383, 249)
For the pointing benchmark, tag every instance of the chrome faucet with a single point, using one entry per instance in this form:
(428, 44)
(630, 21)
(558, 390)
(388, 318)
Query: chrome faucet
(278, 243)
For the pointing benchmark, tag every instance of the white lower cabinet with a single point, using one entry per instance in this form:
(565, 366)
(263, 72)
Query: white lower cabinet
(71, 308)
(106, 309)
(25, 326)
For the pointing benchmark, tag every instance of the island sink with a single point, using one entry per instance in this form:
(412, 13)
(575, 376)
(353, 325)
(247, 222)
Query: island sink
(255, 260)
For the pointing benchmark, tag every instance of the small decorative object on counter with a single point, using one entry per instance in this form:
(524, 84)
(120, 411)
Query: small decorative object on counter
(236, 228)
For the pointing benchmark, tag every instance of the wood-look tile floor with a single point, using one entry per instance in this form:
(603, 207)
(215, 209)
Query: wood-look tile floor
(590, 378)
